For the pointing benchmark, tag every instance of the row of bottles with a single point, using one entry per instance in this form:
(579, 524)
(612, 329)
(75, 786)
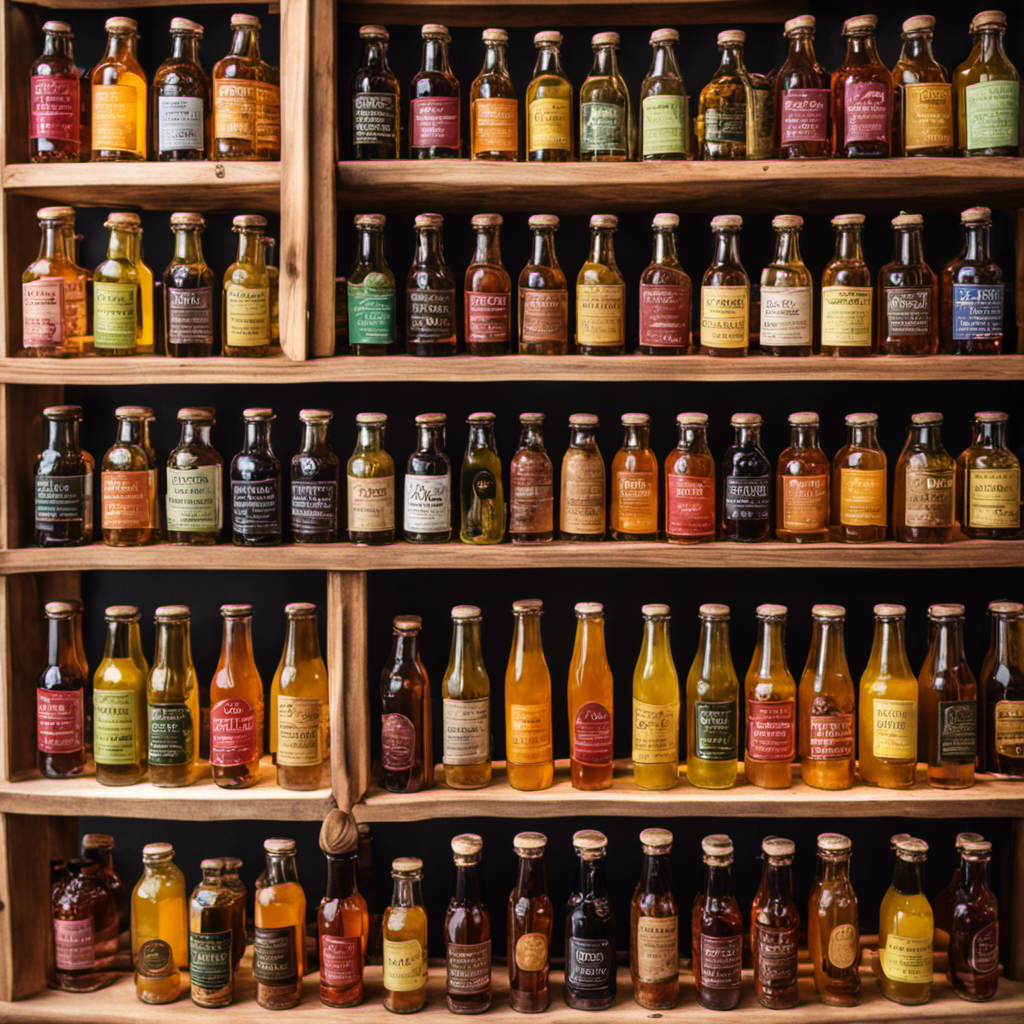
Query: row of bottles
(796, 111)
(146, 720)
(941, 717)
(959, 310)
(114, 113)
(59, 320)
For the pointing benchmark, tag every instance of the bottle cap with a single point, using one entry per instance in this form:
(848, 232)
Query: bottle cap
(431, 419)
(172, 613)
(466, 613)
(232, 865)
(787, 220)
(121, 613)
(976, 215)
(211, 864)
(528, 606)
(406, 866)
(604, 220)
(57, 27)
(279, 845)
(249, 220)
(656, 840)
(196, 413)
(494, 35)
(245, 21)
(260, 414)
(665, 220)
(726, 222)
(187, 220)
(656, 611)
(841, 219)
(186, 25)
(157, 851)
(1010, 609)
(428, 220)
(59, 609)
(63, 412)
(532, 418)
(481, 417)
(590, 844)
(486, 220)
(372, 419)
(543, 220)
(834, 842)
(435, 32)
(909, 848)
(236, 611)
(732, 37)
(771, 611)
(890, 611)
(828, 611)
(101, 841)
(907, 220)
(945, 611)
(589, 610)
(746, 419)
(664, 35)
(583, 419)
(530, 844)
(338, 833)
(78, 603)
(921, 419)
(55, 212)
(804, 419)
(713, 611)
(693, 419)
(373, 32)
(635, 419)
(862, 419)
(717, 846)
(991, 417)
(976, 849)
(553, 38)
(775, 846)
(123, 221)
(859, 24)
(407, 624)
(967, 837)
(131, 412)
(121, 24)
(804, 21)
(605, 39)
(919, 23)
(369, 220)
(316, 415)
(983, 18)
(467, 847)
(300, 610)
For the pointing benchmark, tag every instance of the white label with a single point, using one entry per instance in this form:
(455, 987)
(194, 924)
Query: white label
(467, 730)
(427, 503)
(180, 122)
(785, 315)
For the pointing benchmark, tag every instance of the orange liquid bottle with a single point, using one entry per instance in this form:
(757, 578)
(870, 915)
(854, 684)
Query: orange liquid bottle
(590, 702)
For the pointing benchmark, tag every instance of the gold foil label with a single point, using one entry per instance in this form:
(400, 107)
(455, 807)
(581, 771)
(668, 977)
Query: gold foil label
(655, 732)
(495, 125)
(531, 952)
(993, 498)
(234, 109)
(805, 502)
(847, 315)
(115, 118)
(601, 314)
(725, 316)
(843, 943)
(862, 497)
(548, 124)
(929, 497)
(1008, 727)
(927, 116)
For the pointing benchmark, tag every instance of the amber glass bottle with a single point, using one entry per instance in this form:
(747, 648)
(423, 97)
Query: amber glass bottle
(279, 944)
(435, 118)
(634, 473)
(256, 517)
(430, 294)
(908, 294)
(315, 479)
(375, 94)
(466, 693)
(1002, 693)
(973, 291)
(582, 509)
(654, 926)
(664, 105)
(60, 699)
(182, 99)
(802, 485)
(725, 294)
(370, 484)
(601, 294)
(833, 925)
(53, 318)
(467, 933)
(195, 489)
(786, 294)
(530, 925)
(746, 483)
(543, 294)
(862, 88)
(942, 905)
(988, 489)
(246, 99)
(922, 97)
(590, 702)
(859, 474)
(656, 705)
(721, 126)
(493, 107)
(770, 704)
(973, 965)
(188, 291)
(549, 104)
(665, 300)
(717, 930)
(407, 760)
(847, 294)
(85, 929)
(531, 485)
(159, 926)
(590, 963)
(690, 483)
(802, 96)
(924, 485)
(906, 928)
(404, 931)
(528, 741)
(775, 928)
(55, 130)
(127, 501)
(62, 478)
(211, 938)
(488, 289)
(172, 697)
(606, 119)
(427, 509)
(118, 96)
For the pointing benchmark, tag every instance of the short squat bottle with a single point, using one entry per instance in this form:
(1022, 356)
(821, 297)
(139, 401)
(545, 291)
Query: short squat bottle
(924, 485)
(590, 963)
(988, 481)
(62, 482)
(634, 478)
(245, 303)
(543, 294)
(370, 291)
(802, 487)
(531, 485)
(195, 470)
(601, 294)
(182, 100)
(654, 926)
(256, 519)
(467, 932)
(717, 930)
(582, 507)
(725, 294)
(488, 291)
(908, 294)
(127, 486)
(786, 302)
(847, 294)
(775, 929)
(375, 95)
(722, 108)
(665, 299)
(430, 294)
(746, 483)
(427, 512)
(973, 291)
(859, 476)
(862, 88)
(690, 483)
(315, 482)
(606, 121)
(435, 118)
(370, 481)
(188, 291)
(493, 106)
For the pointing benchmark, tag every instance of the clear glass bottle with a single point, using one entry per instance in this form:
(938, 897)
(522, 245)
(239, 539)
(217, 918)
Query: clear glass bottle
(195, 490)
(775, 928)
(634, 473)
(717, 930)
(430, 294)
(862, 88)
(746, 483)
(160, 943)
(404, 931)
(802, 98)
(467, 933)
(786, 303)
(488, 299)
(591, 702)
(245, 303)
(802, 485)
(493, 106)
(211, 938)
(256, 518)
(435, 116)
(973, 964)
(118, 96)
(427, 512)
(549, 104)
(531, 485)
(722, 111)
(712, 705)
(466, 693)
(601, 294)
(922, 97)
(407, 758)
(590, 962)
(690, 483)
(127, 498)
(859, 475)
(482, 497)
(54, 119)
(1002, 693)
(655, 707)
(833, 924)
(924, 485)
(770, 692)
(530, 926)
(973, 291)
(315, 479)
(908, 294)
(664, 104)
(188, 291)
(246, 98)
(375, 96)
(370, 477)
(49, 324)
(60, 698)
(182, 98)
(725, 294)
(172, 698)
(606, 119)
(116, 290)
(665, 293)
(988, 491)
(279, 944)
(905, 928)
(847, 294)
(528, 739)
(543, 295)
(986, 93)
(654, 926)
(62, 482)
(370, 291)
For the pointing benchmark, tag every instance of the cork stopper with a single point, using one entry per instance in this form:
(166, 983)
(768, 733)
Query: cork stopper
(1006, 609)
(131, 412)
(544, 220)
(534, 419)
(727, 222)
(63, 412)
(692, 419)
(528, 606)
(157, 851)
(196, 414)
(236, 611)
(481, 417)
(976, 215)
(407, 867)
(590, 844)
(428, 220)
(746, 419)
(605, 39)
(300, 610)
(665, 221)
(583, 419)
(656, 841)
(943, 612)
(862, 419)
(718, 848)
(186, 25)
(338, 833)
(803, 419)
(245, 21)
(530, 844)
(787, 220)
(547, 37)
(60, 28)
(431, 419)
(732, 37)
(919, 23)
(466, 613)
(487, 220)
(187, 220)
(261, 414)
(921, 419)
(120, 23)
(172, 613)
(713, 612)
(123, 221)
(59, 609)
(373, 32)
(834, 842)
(803, 23)
(771, 611)
(664, 35)
(776, 848)
(55, 213)
(121, 613)
(407, 625)
(604, 220)
(890, 611)
(893, 840)
(909, 848)
(967, 837)
(279, 845)
(101, 841)
(369, 220)
(589, 610)
(79, 604)
(846, 219)
(988, 18)
(635, 419)
(210, 864)
(494, 35)
(830, 612)
(435, 32)
(467, 848)
(249, 220)
(371, 419)
(907, 220)
(977, 849)
(656, 611)
(316, 415)
(232, 865)
(860, 25)
(991, 417)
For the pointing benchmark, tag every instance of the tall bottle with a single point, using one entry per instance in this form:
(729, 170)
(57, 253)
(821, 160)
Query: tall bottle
(488, 292)
(543, 294)
(922, 99)
(245, 302)
(590, 964)
(256, 517)
(188, 291)
(973, 291)
(407, 759)
(530, 926)
(172, 698)
(634, 473)
(905, 928)
(973, 965)
(601, 294)
(833, 925)
(859, 475)
(54, 122)
(370, 291)
(315, 482)
(370, 479)
(746, 482)
(528, 739)
(665, 298)
(847, 294)
(116, 295)
(664, 104)
(986, 93)
(195, 489)
(531, 485)
(159, 934)
(582, 508)
(127, 487)
(482, 496)
(118, 96)
(690, 483)
(435, 116)
(770, 704)
(862, 88)
(467, 933)
(606, 119)
(279, 946)
(924, 489)
(427, 509)
(211, 938)
(775, 928)
(712, 704)
(786, 303)
(656, 706)
(52, 316)
(1002, 693)
(590, 702)
(722, 110)
(549, 104)
(908, 294)
(654, 926)
(466, 693)
(375, 94)
(246, 98)
(802, 100)
(493, 107)
(182, 98)
(430, 294)
(404, 931)
(988, 489)
(62, 482)
(60, 699)
(725, 294)
(717, 930)
(802, 485)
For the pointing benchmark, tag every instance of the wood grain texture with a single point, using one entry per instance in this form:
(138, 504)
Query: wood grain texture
(1013, 915)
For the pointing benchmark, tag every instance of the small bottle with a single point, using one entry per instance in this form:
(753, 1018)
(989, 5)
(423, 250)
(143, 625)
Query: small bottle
(435, 116)
(923, 96)
(404, 933)
(172, 698)
(591, 702)
(746, 482)
(182, 99)
(274, 276)
(802, 487)
(230, 879)
(430, 294)
(211, 938)
(722, 111)
(656, 706)
(717, 930)
(908, 294)
(1002, 693)
(825, 698)
(725, 294)
(147, 289)
(775, 929)
(85, 929)
(466, 693)
(973, 965)
(407, 759)
(160, 931)
(493, 107)
(664, 104)
(127, 498)
(370, 291)
(973, 291)
(924, 485)
(98, 848)
(531, 485)
(188, 291)
(988, 504)
(279, 944)
(802, 98)
(467, 933)
(942, 906)
(54, 122)
(246, 98)
(833, 925)
(859, 474)
(549, 104)
(654, 926)
(370, 477)
(427, 513)
(375, 94)
(761, 116)
(690, 483)
(601, 294)
(862, 88)
(315, 479)
(118, 96)
(482, 498)
(665, 298)
(60, 699)
(786, 303)
(488, 292)
(770, 692)
(256, 485)
(634, 472)
(62, 483)
(905, 928)
(712, 705)
(245, 303)
(529, 755)
(847, 294)
(606, 120)
(195, 470)
(530, 925)
(582, 503)
(543, 295)
(590, 963)
(116, 294)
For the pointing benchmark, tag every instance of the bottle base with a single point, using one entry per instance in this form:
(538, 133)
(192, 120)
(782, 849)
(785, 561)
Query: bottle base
(467, 1010)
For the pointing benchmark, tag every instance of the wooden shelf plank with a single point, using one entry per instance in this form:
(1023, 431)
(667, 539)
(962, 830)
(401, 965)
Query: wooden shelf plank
(757, 185)
(71, 5)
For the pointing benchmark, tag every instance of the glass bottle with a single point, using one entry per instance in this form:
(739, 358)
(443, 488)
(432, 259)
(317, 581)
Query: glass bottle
(230, 879)
(528, 741)
(211, 938)
(862, 88)
(721, 125)
(375, 95)
(543, 294)
(85, 929)
(859, 474)
(948, 702)
(847, 294)
(888, 706)
(466, 692)
(343, 921)
(62, 483)
(160, 942)
(315, 480)
(665, 294)
(717, 930)
(370, 477)
(973, 965)
(98, 848)
(195, 469)
(1002, 693)
(802, 99)
(655, 708)
(634, 472)
(118, 96)
(245, 303)
(371, 291)
(48, 327)
(76, 306)
(582, 503)
(467, 933)
(530, 917)
(155, 465)
(116, 294)
(531, 485)
(54, 122)
(664, 104)
(279, 945)
(430, 293)
(924, 485)
(654, 926)
(908, 294)
(483, 502)
(712, 704)
(833, 925)
(435, 115)
(761, 116)
(404, 932)
(905, 929)
(606, 119)
(922, 97)
(256, 485)
(246, 98)
(188, 291)
(591, 702)
(986, 93)
(493, 106)
(770, 692)
(826, 698)
(746, 482)
(775, 928)
(802, 486)
(601, 294)
(172, 698)
(690, 483)
(973, 291)
(786, 304)
(725, 294)
(181, 98)
(60, 699)
(549, 104)
(988, 491)
(147, 288)
(127, 501)
(942, 906)
(407, 759)
(427, 512)
(274, 276)
(488, 292)
(590, 962)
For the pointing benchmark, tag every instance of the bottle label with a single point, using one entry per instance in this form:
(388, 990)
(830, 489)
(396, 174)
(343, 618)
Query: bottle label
(804, 116)
(657, 949)
(908, 311)
(977, 311)
(907, 958)
(532, 952)
(1008, 728)
(843, 946)
(371, 503)
(469, 968)
(785, 316)
(545, 316)
(375, 119)
(268, 117)
(894, 731)
(831, 737)
(589, 963)
(180, 123)
(300, 733)
(341, 960)
(549, 124)
(664, 314)
(868, 111)
(74, 945)
(984, 955)
(529, 733)
(690, 505)
(747, 498)
(665, 123)
(726, 123)
(427, 503)
(496, 125)
(114, 726)
(592, 735)
(42, 313)
(314, 505)
(927, 116)
(771, 730)
(115, 313)
(274, 960)
(805, 502)
(172, 734)
(958, 731)
(190, 316)
(583, 494)
(467, 730)
(155, 959)
(194, 499)
(246, 316)
(126, 500)
(532, 497)
(209, 960)
(993, 497)
(655, 733)
(60, 718)
(234, 109)
(929, 500)
(637, 494)
(397, 743)
(435, 122)
(760, 122)
(487, 318)
(724, 316)
(862, 497)
(714, 730)
(405, 966)
(721, 961)
(371, 311)
(993, 118)
(602, 128)
(431, 314)
(847, 315)
(776, 955)
(232, 733)
(60, 499)
(256, 507)
(600, 314)
(115, 118)
(54, 107)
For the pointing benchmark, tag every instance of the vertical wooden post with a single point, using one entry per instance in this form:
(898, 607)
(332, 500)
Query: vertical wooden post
(324, 143)
(1013, 915)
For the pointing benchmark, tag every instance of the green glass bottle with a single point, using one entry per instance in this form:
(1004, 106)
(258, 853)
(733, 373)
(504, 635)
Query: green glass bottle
(483, 501)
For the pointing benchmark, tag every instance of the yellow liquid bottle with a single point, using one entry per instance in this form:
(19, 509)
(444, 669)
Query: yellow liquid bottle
(404, 932)
(528, 743)
(590, 702)
(466, 690)
(280, 908)
(905, 928)
(144, 342)
(770, 692)
(712, 704)
(159, 926)
(118, 94)
(656, 705)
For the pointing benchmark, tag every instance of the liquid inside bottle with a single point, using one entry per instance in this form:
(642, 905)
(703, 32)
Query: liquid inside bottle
(746, 483)
(118, 95)
(55, 97)
(60, 698)
(634, 473)
(908, 294)
(127, 484)
(182, 98)
(590, 962)
(430, 293)
(52, 311)
(528, 738)
(404, 932)
(717, 930)
(725, 294)
(116, 290)
(601, 294)
(786, 303)
(427, 511)
(211, 938)
(370, 291)
(188, 291)
(370, 476)
(543, 294)
(256, 516)
(315, 479)
(549, 104)
(833, 924)
(656, 705)
(722, 110)
(279, 945)
(62, 482)
(245, 302)
(532, 486)
(973, 965)
(375, 96)
(481, 492)
(493, 107)
(654, 926)
(847, 294)
(973, 291)
(530, 925)
(1002, 692)
(85, 929)
(590, 702)
(582, 508)
(859, 483)
(466, 692)
(802, 485)
(407, 760)
(905, 928)
(665, 300)
(160, 943)
(988, 481)
(922, 98)
(690, 483)
(435, 117)
(775, 929)
(467, 932)
(195, 481)
(488, 292)
(606, 120)
(664, 104)
(770, 690)
(862, 100)
(924, 485)
(802, 98)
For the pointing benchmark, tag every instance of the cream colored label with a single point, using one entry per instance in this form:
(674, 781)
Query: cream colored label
(842, 946)
(657, 949)
(531, 952)
(847, 316)
(247, 316)
(894, 729)
(725, 316)
(300, 732)
(467, 730)
(927, 116)
(529, 733)
(548, 124)
(905, 958)
(371, 503)
(655, 732)
(862, 497)
(1008, 727)
(115, 118)
(785, 316)
(583, 493)
(405, 966)
(601, 314)
(993, 498)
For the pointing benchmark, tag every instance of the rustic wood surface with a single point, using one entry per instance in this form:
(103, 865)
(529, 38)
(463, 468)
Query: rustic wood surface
(324, 143)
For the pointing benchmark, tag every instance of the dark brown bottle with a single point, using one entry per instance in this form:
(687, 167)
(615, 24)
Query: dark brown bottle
(435, 116)
(182, 100)
(654, 926)
(1002, 693)
(375, 95)
(488, 297)
(924, 485)
(942, 905)
(717, 930)
(746, 483)
(55, 93)
(973, 966)
(988, 504)
(60, 698)
(532, 485)
(430, 294)
(85, 929)
(63, 482)
(98, 848)
(407, 755)
(530, 925)
(467, 933)
(665, 299)
(231, 879)
(427, 511)
(543, 296)
(802, 100)
(590, 964)
(861, 95)
(256, 485)
(973, 291)
(211, 938)
(188, 291)
(316, 473)
(908, 294)
(775, 929)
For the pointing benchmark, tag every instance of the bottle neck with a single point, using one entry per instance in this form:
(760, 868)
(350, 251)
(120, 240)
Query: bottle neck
(727, 248)
(375, 55)
(655, 641)
(404, 649)
(834, 869)
(481, 435)
(663, 63)
(977, 239)
(60, 645)
(748, 437)
(906, 878)
(862, 436)
(494, 59)
(62, 435)
(56, 44)
(803, 435)
(257, 436)
(602, 250)
(406, 892)
(717, 881)
(129, 431)
(582, 437)
(250, 248)
(665, 248)
(593, 883)
(778, 881)
(848, 243)
(692, 437)
(787, 246)
(121, 46)
(549, 61)
(713, 645)
(989, 434)
(187, 246)
(369, 437)
(185, 46)
(917, 48)
(1008, 640)
(636, 436)
(428, 247)
(281, 868)
(237, 642)
(656, 874)
(828, 648)
(801, 45)
(909, 246)
(927, 436)
(531, 436)
(525, 638)
(732, 61)
(974, 877)
(246, 43)
(435, 56)
(431, 440)
(302, 640)
(466, 657)
(590, 641)
(371, 248)
(119, 641)
(544, 248)
(947, 644)
(467, 884)
(342, 879)
(889, 648)
(771, 648)
(314, 435)
(173, 647)
(196, 434)
(606, 64)
(488, 246)
(990, 44)
(120, 244)
(860, 49)
(532, 880)
(51, 241)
